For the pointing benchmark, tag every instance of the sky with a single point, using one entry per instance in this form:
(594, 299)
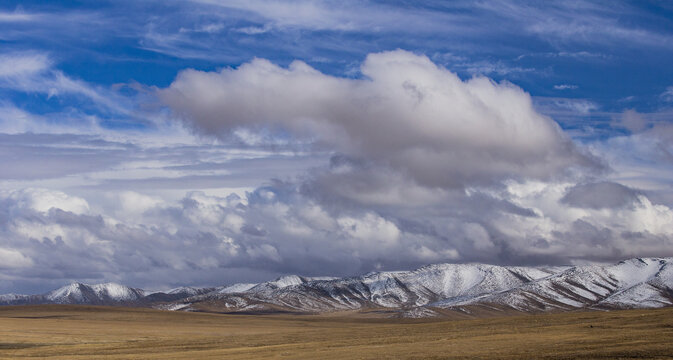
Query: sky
(208, 142)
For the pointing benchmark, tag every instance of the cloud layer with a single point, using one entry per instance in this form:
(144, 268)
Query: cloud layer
(51, 237)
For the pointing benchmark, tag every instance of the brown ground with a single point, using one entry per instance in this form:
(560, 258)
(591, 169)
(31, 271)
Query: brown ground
(89, 332)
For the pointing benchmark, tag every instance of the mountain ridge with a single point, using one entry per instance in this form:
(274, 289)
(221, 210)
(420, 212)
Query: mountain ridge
(427, 291)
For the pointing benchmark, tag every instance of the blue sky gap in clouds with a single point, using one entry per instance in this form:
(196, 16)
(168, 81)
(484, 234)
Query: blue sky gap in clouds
(162, 143)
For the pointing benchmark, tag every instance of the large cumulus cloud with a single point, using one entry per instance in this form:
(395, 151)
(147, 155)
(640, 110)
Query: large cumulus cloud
(405, 113)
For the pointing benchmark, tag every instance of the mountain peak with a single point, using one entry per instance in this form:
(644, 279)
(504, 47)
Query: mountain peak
(76, 293)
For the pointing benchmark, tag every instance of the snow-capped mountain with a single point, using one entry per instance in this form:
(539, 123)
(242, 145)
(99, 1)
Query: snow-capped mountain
(77, 293)
(427, 291)
(634, 283)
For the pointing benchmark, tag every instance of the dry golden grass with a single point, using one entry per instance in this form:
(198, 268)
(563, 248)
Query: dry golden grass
(88, 332)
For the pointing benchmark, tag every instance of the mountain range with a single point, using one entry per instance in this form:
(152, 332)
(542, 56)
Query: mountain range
(433, 290)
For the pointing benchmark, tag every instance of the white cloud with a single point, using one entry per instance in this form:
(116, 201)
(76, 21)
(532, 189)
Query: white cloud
(337, 16)
(565, 87)
(409, 114)
(43, 200)
(371, 228)
(254, 30)
(23, 64)
(134, 204)
(579, 22)
(632, 121)
(34, 73)
(10, 258)
(590, 231)
(667, 95)
(579, 106)
(477, 234)
(264, 251)
(17, 16)
(499, 68)
(14, 120)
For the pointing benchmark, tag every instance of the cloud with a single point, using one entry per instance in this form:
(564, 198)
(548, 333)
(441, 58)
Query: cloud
(576, 22)
(34, 73)
(326, 15)
(406, 113)
(559, 105)
(652, 138)
(42, 200)
(16, 16)
(200, 236)
(254, 30)
(28, 157)
(643, 157)
(574, 230)
(14, 120)
(602, 195)
(581, 22)
(473, 67)
(633, 121)
(667, 95)
(10, 258)
(576, 55)
(23, 64)
(133, 204)
(565, 87)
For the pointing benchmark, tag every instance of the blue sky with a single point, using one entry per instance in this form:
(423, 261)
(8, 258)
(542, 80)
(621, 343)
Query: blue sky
(613, 56)
(162, 143)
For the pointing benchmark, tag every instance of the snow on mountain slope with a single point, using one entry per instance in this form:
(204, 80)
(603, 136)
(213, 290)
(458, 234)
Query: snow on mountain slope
(187, 290)
(456, 281)
(117, 292)
(13, 298)
(77, 293)
(235, 288)
(279, 283)
(398, 289)
(639, 296)
(286, 281)
(438, 282)
(656, 291)
(629, 283)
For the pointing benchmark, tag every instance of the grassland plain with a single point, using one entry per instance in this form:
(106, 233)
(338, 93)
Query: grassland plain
(91, 332)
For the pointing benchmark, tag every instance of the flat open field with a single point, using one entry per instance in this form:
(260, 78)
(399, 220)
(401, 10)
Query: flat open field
(88, 332)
